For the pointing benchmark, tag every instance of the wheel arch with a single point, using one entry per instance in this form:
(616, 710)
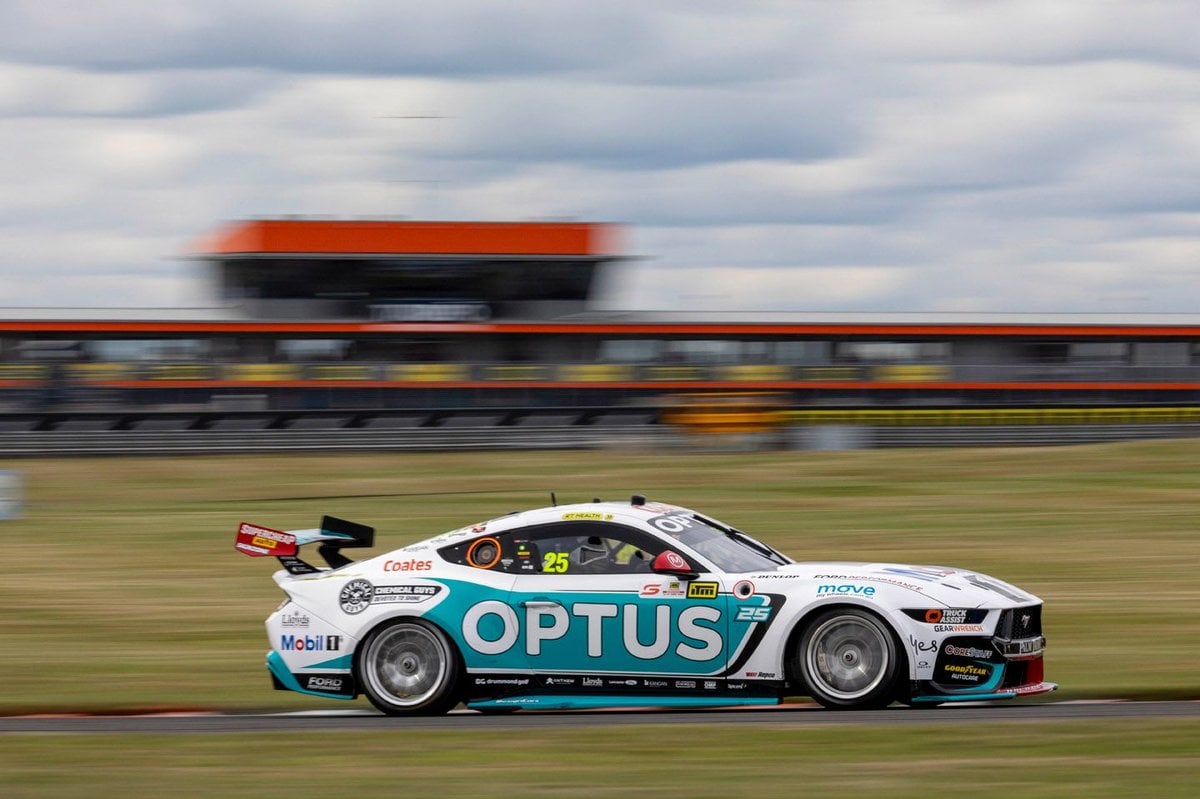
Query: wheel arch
(368, 633)
(805, 620)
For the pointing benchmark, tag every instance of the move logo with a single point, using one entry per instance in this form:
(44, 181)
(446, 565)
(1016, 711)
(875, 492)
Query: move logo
(846, 589)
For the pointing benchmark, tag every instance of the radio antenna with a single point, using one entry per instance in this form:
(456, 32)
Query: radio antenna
(553, 499)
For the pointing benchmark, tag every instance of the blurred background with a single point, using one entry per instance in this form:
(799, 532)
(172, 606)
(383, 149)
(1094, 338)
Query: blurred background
(834, 272)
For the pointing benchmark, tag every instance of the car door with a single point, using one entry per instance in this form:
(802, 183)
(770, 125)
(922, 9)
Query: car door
(597, 612)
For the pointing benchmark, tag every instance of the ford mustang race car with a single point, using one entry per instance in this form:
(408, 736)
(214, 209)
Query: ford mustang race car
(632, 604)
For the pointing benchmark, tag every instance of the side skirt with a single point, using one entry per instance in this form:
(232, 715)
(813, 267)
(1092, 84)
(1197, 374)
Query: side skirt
(591, 702)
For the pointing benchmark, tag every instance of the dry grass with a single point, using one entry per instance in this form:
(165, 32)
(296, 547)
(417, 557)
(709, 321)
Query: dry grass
(122, 587)
(1109, 758)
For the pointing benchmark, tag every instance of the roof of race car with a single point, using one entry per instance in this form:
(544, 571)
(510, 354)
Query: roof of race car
(634, 512)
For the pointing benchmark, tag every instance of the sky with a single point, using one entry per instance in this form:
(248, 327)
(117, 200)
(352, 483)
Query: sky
(914, 156)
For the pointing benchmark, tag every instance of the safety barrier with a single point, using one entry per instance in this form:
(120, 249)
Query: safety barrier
(926, 417)
(214, 442)
(482, 438)
(734, 376)
(100, 433)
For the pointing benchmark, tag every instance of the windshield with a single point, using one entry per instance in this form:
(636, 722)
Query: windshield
(730, 550)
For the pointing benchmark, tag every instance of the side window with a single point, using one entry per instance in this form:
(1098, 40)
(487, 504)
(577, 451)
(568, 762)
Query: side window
(507, 552)
(569, 547)
(593, 548)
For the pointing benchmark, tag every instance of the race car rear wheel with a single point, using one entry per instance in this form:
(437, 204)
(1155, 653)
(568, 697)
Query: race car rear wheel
(848, 660)
(409, 668)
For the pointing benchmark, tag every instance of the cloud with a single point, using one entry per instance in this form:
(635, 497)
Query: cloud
(992, 155)
(449, 37)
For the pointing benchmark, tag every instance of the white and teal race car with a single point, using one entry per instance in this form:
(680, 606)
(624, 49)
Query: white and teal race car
(633, 604)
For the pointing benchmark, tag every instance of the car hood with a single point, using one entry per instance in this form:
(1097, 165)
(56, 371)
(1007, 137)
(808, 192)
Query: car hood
(948, 586)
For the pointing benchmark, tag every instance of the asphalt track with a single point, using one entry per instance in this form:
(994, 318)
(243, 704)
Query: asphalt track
(791, 716)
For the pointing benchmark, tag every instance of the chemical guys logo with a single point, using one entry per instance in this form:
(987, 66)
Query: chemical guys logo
(356, 595)
(607, 630)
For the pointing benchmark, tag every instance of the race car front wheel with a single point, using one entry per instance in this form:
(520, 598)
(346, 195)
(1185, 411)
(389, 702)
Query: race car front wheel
(409, 668)
(848, 660)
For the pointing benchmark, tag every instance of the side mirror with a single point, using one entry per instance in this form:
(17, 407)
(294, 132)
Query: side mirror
(670, 562)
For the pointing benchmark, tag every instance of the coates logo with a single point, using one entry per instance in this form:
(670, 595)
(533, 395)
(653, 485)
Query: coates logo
(412, 565)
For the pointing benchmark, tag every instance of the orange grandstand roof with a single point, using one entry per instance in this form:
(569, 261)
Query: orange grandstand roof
(344, 237)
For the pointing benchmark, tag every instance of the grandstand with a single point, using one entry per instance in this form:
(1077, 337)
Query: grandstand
(326, 314)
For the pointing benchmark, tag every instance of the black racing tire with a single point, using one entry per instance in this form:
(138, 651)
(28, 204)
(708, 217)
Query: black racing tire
(409, 667)
(848, 659)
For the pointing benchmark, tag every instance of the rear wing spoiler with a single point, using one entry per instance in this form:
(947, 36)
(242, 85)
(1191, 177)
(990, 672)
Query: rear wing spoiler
(334, 535)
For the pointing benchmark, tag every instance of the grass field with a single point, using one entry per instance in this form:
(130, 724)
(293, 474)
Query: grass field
(1061, 759)
(122, 591)
(122, 588)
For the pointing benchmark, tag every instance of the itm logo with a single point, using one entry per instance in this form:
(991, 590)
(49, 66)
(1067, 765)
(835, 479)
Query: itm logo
(702, 591)
(310, 643)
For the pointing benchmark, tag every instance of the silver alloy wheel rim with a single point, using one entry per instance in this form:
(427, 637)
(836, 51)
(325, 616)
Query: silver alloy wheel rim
(847, 657)
(406, 665)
